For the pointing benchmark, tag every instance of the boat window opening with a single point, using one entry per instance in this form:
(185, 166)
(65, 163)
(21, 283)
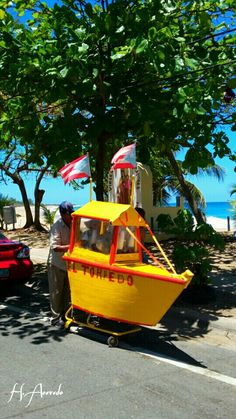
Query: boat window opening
(94, 235)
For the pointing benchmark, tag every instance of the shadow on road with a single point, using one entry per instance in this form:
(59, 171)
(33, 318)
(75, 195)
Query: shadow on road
(23, 307)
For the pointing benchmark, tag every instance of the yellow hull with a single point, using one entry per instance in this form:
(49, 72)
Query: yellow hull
(136, 293)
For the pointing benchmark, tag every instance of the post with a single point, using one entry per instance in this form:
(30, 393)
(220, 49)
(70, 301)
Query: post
(132, 190)
(91, 188)
(228, 223)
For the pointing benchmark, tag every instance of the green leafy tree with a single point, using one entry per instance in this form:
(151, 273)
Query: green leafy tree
(80, 77)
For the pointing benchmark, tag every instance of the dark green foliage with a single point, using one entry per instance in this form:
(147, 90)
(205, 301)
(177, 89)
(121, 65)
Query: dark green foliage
(195, 257)
(191, 249)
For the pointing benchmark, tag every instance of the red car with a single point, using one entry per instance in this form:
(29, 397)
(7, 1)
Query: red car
(15, 260)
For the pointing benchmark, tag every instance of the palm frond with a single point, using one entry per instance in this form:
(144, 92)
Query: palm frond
(233, 191)
(49, 216)
(215, 171)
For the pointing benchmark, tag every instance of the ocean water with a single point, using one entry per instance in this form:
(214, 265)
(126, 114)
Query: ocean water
(213, 209)
(219, 215)
(218, 209)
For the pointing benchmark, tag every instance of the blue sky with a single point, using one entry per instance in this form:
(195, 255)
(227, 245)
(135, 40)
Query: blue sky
(56, 191)
(212, 189)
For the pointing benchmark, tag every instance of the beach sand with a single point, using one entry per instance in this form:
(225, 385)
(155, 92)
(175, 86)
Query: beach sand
(219, 224)
(20, 216)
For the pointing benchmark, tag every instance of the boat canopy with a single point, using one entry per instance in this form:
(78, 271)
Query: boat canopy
(116, 214)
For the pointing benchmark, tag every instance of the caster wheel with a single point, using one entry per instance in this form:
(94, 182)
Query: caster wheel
(67, 324)
(112, 341)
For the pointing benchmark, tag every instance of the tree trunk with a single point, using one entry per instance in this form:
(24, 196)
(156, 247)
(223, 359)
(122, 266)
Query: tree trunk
(17, 179)
(100, 167)
(38, 196)
(28, 212)
(185, 189)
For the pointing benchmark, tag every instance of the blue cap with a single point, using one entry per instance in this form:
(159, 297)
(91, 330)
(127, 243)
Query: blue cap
(66, 208)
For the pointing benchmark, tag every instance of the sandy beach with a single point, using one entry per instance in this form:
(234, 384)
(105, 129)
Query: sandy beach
(20, 216)
(219, 224)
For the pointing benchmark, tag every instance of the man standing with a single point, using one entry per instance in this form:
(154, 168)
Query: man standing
(57, 271)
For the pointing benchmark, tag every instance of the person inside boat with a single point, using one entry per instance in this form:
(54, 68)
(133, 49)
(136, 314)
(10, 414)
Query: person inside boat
(89, 233)
(96, 235)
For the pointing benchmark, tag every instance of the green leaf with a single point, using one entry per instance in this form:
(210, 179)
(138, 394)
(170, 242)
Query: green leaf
(84, 47)
(180, 39)
(108, 22)
(165, 33)
(182, 95)
(221, 26)
(142, 46)
(191, 63)
(64, 72)
(200, 110)
(152, 32)
(95, 72)
(2, 14)
(51, 71)
(35, 15)
(79, 31)
(187, 108)
(120, 29)
(161, 55)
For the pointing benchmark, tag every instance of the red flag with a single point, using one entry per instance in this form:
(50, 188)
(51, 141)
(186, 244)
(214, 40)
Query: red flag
(76, 169)
(125, 158)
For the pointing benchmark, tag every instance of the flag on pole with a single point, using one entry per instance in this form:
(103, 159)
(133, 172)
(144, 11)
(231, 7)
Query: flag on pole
(125, 158)
(76, 169)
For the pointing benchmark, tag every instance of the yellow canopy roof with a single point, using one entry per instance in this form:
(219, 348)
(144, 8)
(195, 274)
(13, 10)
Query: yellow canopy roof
(112, 212)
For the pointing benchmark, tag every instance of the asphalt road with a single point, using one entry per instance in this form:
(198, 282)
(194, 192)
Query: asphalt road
(183, 368)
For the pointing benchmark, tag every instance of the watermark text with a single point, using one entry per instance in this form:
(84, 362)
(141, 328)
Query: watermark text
(18, 391)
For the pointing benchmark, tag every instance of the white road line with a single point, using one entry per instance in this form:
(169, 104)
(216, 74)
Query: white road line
(192, 368)
(197, 370)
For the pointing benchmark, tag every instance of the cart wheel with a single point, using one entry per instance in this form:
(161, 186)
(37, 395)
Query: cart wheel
(112, 341)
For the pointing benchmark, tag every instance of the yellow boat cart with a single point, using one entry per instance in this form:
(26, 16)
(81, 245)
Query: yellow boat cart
(112, 290)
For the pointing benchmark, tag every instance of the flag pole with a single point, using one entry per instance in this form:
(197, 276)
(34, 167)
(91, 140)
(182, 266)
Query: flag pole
(132, 191)
(91, 188)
